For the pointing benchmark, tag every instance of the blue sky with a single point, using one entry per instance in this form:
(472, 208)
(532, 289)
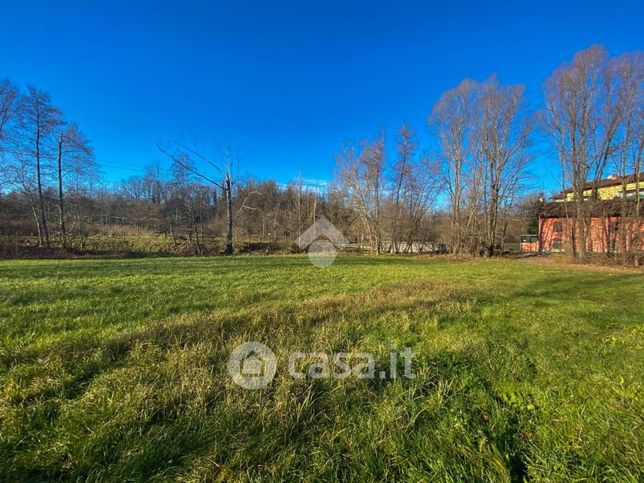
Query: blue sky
(285, 82)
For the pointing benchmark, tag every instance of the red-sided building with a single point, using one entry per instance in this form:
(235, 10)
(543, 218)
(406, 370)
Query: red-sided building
(609, 231)
(615, 218)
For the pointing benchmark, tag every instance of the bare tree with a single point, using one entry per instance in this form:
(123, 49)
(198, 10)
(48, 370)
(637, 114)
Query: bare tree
(627, 71)
(362, 175)
(501, 136)
(450, 120)
(8, 98)
(185, 198)
(421, 190)
(483, 137)
(38, 120)
(181, 154)
(73, 154)
(401, 178)
(413, 185)
(582, 117)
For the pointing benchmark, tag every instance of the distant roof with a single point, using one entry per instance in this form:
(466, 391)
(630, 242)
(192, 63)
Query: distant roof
(596, 208)
(613, 180)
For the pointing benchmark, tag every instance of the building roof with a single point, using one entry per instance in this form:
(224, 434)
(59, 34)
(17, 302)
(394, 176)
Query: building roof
(596, 208)
(613, 180)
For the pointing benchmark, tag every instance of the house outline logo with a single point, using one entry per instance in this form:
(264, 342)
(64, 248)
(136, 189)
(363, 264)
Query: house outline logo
(252, 365)
(322, 240)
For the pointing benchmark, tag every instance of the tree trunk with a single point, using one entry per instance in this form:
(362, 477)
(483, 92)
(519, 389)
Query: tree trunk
(61, 203)
(229, 216)
(44, 235)
(581, 228)
(37, 218)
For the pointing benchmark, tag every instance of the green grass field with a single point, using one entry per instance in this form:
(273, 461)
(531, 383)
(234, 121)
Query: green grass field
(116, 370)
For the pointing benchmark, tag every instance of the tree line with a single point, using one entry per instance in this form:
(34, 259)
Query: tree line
(466, 191)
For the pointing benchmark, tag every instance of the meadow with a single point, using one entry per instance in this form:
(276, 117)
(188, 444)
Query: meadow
(115, 370)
